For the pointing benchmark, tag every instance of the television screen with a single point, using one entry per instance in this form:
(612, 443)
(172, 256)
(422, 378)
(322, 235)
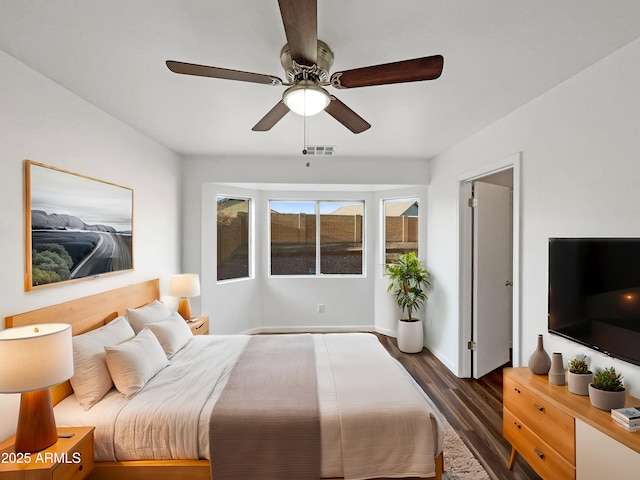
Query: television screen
(594, 294)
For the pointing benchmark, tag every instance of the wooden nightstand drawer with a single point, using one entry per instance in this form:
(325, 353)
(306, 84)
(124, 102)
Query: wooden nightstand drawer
(543, 419)
(546, 461)
(199, 325)
(78, 463)
(68, 459)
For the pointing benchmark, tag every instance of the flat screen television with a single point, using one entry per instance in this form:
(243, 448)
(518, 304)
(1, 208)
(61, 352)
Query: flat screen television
(594, 294)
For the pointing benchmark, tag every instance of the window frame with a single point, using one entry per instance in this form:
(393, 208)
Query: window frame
(250, 239)
(383, 221)
(318, 244)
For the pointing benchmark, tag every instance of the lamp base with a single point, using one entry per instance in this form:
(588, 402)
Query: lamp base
(184, 308)
(36, 423)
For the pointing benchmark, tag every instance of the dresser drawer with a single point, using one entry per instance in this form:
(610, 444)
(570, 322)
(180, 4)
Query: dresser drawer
(546, 461)
(543, 419)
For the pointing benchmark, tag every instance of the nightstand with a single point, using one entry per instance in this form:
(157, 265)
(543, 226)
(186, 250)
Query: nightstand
(67, 459)
(199, 325)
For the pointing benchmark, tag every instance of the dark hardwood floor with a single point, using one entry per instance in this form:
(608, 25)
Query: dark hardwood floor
(472, 407)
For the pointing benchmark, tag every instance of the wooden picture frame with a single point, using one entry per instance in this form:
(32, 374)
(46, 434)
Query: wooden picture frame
(77, 227)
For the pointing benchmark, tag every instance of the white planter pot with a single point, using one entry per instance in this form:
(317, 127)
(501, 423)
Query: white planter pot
(606, 400)
(579, 382)
(410, 336)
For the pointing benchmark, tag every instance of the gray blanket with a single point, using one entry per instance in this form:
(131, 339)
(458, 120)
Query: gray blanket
(266, 423)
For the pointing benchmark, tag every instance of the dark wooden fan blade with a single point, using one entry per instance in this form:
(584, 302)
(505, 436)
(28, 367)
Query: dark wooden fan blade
(224, 73)
(271, 118)
(346, 116)
(416, 70)
(300, 19)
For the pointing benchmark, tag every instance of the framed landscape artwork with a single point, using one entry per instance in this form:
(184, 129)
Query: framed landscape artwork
(77, 227)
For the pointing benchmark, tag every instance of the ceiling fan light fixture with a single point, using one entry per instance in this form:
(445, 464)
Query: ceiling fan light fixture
(306, 98)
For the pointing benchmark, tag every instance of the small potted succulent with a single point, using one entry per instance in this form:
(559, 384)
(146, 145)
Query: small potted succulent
(579, 376)
(607, 390)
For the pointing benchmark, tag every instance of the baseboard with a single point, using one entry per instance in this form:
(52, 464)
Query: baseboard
(445, 361)
(386, 331)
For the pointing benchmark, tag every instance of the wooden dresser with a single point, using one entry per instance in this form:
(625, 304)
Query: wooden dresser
(540, 421)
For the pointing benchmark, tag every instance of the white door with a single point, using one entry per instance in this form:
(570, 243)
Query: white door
(492, 277)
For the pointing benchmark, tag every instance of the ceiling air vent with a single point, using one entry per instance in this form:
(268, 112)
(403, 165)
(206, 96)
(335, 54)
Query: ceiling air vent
(320, 150)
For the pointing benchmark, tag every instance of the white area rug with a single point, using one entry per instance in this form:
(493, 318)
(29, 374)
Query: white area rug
(459, 462)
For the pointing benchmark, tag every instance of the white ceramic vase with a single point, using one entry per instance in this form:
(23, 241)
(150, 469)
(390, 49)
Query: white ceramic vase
(410, 336)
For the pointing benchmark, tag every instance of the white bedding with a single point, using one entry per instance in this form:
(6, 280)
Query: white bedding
(160, 422)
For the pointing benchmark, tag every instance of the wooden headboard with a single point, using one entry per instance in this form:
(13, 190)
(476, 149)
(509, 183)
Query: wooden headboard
(88, 313)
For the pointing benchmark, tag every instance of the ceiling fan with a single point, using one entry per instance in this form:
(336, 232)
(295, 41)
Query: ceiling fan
(306, 61)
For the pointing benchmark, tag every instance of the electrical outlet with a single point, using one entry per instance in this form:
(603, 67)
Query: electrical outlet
(321, 308)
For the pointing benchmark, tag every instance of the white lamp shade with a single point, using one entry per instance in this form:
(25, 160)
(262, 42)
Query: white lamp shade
(35, 357)
(306, 100)
(184, 285)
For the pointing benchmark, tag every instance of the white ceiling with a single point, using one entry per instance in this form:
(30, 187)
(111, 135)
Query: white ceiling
(499, 55)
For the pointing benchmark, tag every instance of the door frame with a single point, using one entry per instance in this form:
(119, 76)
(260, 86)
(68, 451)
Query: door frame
(465, 239)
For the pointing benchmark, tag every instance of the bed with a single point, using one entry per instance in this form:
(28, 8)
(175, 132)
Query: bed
(373, 419)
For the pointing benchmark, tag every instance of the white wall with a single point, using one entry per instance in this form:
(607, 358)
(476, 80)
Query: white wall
(232, 306)
(268, 302)
(386, 311)
(580, 173)
(43, 122)
(291, 301)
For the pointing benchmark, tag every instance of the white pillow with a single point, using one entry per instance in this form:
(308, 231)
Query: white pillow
(132, 364)
(91, 379)
(156, 311)
(173, 333)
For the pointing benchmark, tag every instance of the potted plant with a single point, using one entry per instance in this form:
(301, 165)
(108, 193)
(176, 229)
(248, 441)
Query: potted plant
(607, 390)
(579, 376)
(408, 280)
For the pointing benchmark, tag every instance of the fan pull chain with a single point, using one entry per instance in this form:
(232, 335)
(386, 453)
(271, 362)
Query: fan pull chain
(305, 134)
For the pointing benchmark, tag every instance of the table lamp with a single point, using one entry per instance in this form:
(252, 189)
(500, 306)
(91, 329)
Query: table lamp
(32, 359)
(184, 286)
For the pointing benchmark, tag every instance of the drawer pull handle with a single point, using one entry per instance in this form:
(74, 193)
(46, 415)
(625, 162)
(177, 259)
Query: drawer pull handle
(517, 390)
(539, 453)
(538, 407)
(518, 426)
